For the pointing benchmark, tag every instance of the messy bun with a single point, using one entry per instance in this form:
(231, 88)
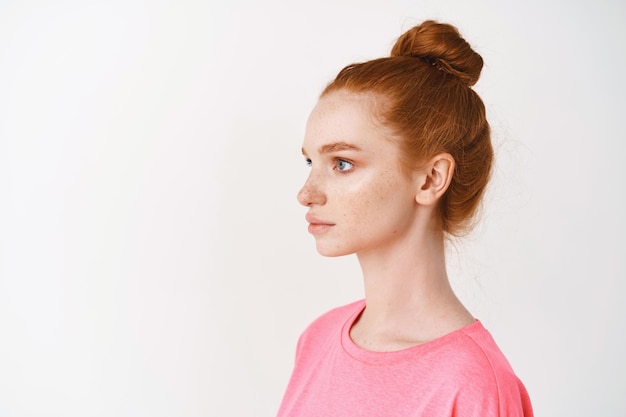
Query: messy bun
(442, 46)
(428, 103)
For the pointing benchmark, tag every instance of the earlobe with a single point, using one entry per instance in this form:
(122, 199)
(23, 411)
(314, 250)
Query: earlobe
(435, 179)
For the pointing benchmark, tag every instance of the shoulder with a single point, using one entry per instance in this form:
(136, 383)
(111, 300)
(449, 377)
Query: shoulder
(333, 318)
(329, 325)
(484, 353)
(468, 357)
(487, 378)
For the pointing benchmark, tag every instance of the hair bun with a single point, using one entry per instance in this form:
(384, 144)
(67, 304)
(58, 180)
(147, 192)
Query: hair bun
(442, 46)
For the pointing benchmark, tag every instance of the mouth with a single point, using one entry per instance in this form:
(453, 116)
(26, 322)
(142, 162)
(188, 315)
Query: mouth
(318, 226)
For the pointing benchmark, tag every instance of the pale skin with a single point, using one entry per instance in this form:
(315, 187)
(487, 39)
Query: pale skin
(360, 201)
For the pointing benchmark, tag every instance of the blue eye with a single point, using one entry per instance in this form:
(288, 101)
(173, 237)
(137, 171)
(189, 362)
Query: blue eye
(343, 166)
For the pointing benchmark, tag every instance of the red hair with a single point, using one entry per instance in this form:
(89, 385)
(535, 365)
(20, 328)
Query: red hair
(427, 101)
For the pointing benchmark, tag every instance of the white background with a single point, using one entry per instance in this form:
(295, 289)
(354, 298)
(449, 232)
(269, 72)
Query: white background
(154, 260)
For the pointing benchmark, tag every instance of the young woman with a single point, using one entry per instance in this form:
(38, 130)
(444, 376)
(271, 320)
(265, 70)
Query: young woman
(400, 155)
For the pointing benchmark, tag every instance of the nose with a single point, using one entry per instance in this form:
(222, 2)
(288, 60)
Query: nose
(311, 193)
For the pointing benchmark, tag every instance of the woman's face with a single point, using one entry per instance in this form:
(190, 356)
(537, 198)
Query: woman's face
(358, 198)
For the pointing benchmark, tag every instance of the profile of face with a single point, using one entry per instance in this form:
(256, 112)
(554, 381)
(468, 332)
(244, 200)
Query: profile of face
(357, 195)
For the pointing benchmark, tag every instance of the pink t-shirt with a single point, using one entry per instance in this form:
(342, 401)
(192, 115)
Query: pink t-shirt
(462, 374)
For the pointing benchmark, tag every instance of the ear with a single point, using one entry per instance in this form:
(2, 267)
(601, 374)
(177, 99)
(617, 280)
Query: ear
(434, 179)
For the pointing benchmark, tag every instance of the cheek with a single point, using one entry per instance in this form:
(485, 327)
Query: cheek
(374, 198)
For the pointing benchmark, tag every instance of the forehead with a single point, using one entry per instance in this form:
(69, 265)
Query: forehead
(346, 117)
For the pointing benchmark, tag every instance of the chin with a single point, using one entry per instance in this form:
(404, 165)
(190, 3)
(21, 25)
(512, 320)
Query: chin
(332, 252)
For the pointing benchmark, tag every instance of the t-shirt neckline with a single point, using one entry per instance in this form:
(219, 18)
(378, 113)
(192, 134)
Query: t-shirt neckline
(397, 356)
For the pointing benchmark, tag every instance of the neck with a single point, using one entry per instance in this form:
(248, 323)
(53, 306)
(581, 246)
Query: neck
(409, 299)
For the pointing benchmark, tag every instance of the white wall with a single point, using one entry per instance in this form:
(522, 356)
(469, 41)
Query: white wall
(154, 260)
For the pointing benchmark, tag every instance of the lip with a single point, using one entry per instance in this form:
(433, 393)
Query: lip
(318, 226)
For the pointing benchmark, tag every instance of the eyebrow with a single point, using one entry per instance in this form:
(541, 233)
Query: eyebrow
(336, 146)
